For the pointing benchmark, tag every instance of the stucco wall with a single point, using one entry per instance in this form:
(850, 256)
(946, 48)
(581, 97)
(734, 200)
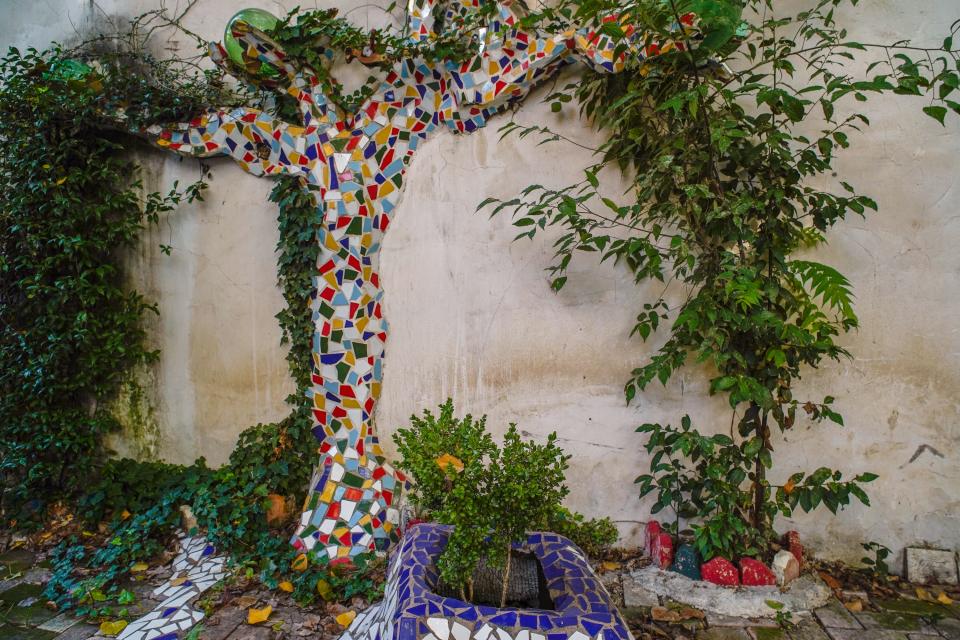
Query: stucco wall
(472, 316)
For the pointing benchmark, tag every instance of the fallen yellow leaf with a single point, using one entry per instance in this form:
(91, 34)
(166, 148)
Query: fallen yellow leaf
(943, 598)
(176, 582)
(611, 566)
(112, 628)
(256, 616)
(286, 585)
(124, 515)
(139, 567)
(61, 181)
(345, 618)
(324, 589)
(855, 605)
(446, 461)
(299, 563)
(923, 594)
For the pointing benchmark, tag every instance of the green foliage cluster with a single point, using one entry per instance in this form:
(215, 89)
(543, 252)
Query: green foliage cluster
(313, 38)
(492, 495)
(70, 327)
(230, 503)
(72, 330)
(731, 148)
(701, 478)
(878, 563)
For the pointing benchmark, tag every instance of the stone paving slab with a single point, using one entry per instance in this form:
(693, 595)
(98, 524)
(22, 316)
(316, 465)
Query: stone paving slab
(949, 628)
(808, 630)
(731, 621)
(222, 623)
(894, 621)
(723, 633)
(14, 562)
(866, 634)
(33, 615)
(11, 632)
(246, 632)
(60, 623)
(836, 616)
(82, 631)
(915, 607)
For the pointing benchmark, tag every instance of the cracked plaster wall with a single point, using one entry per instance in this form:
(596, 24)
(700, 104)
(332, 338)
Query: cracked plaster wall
(472, 316)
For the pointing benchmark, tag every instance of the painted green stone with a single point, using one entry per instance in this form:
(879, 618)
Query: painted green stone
(686, 561)
(258, 18)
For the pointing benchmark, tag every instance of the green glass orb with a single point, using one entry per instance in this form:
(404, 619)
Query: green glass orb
(719, 21)
(258, 18)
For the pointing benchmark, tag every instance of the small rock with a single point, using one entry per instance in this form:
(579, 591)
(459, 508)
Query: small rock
(785, 568)
(662, 550)
(635, 595)
(931, 566)
(720, 571)
(686, 562)
(791, 540)
(651, 531)
(754, 573)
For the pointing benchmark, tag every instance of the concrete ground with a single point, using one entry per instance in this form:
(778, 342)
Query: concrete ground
(25, 616)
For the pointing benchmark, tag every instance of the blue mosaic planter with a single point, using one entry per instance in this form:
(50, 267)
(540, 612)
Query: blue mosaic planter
(411, 610)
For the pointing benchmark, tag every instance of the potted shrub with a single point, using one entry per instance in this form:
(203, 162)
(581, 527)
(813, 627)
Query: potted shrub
(482, 570)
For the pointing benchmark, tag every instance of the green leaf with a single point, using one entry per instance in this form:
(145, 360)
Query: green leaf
(936, 112)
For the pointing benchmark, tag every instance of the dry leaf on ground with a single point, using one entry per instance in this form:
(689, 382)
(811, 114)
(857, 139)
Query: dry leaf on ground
(256, 616)
(832, 582)
(112, 628)
(300, 563)
(344, 619)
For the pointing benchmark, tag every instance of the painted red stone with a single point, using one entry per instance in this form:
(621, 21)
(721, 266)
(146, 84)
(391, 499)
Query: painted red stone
(720, 571)
(662, 551)
(754, 573)
(791, 540)
(651, 531)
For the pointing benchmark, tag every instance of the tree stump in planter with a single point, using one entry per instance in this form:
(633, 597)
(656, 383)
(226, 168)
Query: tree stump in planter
(527, 586)
(414, 609)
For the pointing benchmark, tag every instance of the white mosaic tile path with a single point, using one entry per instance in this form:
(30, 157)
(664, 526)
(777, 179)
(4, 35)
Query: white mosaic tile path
(194, 570)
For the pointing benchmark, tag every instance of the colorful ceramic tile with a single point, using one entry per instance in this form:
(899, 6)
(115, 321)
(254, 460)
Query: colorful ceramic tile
(410, 609)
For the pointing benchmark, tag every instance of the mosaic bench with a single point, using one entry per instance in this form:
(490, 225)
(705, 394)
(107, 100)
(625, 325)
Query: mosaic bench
(411, 610)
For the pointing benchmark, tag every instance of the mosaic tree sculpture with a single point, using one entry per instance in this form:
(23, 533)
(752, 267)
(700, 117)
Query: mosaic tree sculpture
(356, 164)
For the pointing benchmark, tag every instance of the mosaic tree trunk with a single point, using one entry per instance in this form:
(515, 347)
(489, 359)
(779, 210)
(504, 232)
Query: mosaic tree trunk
(357, 164)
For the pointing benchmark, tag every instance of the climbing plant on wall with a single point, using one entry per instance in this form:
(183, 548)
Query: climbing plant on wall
(731, 145)
(70, 325)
